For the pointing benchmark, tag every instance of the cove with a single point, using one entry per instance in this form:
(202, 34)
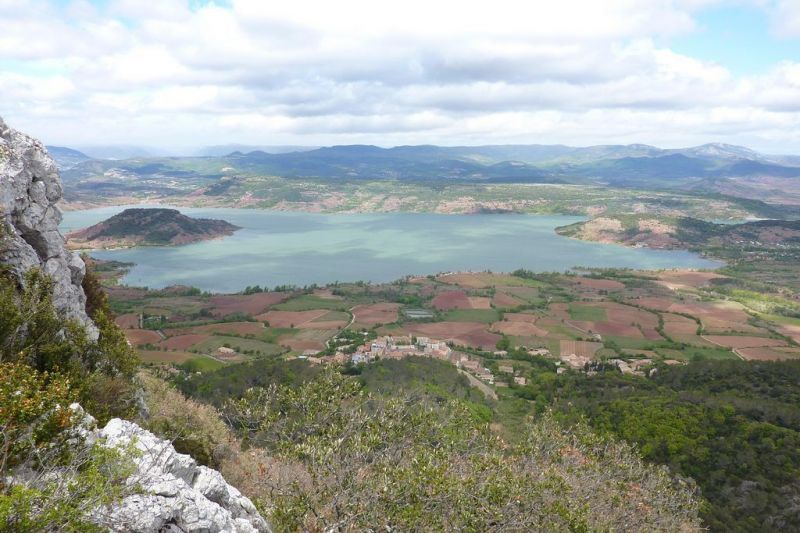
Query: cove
(282, 248)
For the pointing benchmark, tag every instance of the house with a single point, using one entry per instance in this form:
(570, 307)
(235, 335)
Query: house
(469, 364)
(576, 361)
(225, 351)
(519, 380)
(501, 353)
(506, 369)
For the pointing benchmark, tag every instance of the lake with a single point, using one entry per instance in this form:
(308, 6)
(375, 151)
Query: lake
(279, 248)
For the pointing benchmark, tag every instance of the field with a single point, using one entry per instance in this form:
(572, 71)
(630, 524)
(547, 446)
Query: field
(309, 302)
(373, 314)
(141, 336)
(587, 313)
(461, 333)
(579, 348)
(251, 304)
(666, 316)
(768, 354)
(734, 341)
(211, 344)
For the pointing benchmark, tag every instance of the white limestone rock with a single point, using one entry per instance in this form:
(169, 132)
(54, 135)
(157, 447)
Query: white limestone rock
(29, 237)
(177, 493)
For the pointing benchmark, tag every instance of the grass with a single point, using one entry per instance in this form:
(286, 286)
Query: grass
(333, 315)
(697, 353)
(307, 302)
(241, 345)
(486, 316)
(586, 313)
(202, 364)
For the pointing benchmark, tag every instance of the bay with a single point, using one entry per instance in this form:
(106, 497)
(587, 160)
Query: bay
(280, 248)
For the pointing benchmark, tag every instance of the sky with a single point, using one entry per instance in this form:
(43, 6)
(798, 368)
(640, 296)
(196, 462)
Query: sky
(183, 74)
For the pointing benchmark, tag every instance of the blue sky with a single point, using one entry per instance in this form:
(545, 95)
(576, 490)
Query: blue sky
(740, 37)
(185, 73)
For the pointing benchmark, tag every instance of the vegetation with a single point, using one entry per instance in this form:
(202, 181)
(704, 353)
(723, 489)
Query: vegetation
(732, 426)
(46, 363)
(364, 461)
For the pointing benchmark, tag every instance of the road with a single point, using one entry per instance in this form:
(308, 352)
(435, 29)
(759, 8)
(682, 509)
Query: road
(480, 385)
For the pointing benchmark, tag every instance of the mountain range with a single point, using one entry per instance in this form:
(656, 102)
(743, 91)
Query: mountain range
(634, 165)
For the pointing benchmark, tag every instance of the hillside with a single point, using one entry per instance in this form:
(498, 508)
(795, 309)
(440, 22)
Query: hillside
(684, 232)
(518, 178)
(149, 227)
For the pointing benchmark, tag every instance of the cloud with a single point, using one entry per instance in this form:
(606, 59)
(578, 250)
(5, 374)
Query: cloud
(313, 72)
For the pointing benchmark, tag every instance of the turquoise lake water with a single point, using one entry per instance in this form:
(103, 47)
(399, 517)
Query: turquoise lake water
(277, 248)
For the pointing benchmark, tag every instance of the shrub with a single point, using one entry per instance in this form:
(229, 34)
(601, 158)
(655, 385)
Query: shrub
(407, 463)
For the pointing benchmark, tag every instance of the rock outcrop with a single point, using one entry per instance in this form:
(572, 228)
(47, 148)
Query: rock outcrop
(30, 187)
(174, 494)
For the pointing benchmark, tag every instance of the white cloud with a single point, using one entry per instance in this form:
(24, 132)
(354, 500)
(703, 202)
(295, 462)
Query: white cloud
(573, 71)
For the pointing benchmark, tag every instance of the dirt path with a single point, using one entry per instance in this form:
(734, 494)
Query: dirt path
(480, 385)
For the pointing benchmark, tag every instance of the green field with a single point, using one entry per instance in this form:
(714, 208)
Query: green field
(307, 302)
(586, 313)
(241, 345)
(472, 315)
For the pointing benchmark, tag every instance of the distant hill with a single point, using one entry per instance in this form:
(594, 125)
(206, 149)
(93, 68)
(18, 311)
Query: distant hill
(227, 149)
(66, 158)
(685, 232)
(622, 165)
(149, 227)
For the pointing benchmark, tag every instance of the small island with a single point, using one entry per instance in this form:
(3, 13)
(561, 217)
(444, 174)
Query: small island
(148, 227)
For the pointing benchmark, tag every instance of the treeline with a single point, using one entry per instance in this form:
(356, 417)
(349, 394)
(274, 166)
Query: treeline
(733, 426)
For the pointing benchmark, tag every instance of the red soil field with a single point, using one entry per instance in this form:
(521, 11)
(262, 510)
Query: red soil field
(790, 331)
(382, 313)
(286, 319)
(608, 328)
(464, 333)
(651, 302)
(251, 304)
(678, 325)
(768, 354)
(479, 302)
(732, 341)
(127, 321)
(141, 336)
(597, 284)
(519, 329)
(237, 328)
(622, 320)
(183, 342)
(444, 301)
(504, 300)
(308, 339)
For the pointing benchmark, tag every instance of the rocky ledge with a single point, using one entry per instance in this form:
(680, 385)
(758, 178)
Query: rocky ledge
(174, 494)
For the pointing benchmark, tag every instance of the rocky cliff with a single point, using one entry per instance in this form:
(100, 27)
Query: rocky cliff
(170, 491)
(30, 187)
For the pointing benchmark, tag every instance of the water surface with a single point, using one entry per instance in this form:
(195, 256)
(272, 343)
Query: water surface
(276, 248)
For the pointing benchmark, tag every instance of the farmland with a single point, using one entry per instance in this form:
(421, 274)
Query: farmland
(535, 341)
